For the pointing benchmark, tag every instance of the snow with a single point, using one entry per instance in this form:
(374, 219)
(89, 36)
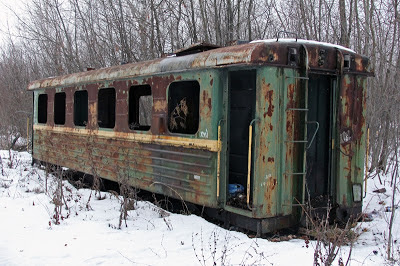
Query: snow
(90, 234)
(289, 40)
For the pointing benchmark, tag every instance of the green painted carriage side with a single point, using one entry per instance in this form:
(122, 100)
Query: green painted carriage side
(180, 172)
(275, 156)
(351, 156)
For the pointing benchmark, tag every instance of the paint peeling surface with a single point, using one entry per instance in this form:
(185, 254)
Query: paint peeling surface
(169, 170)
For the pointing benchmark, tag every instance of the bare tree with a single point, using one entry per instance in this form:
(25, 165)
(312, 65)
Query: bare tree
(59, 37)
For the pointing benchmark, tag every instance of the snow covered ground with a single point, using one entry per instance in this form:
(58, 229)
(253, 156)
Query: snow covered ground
(89, 234)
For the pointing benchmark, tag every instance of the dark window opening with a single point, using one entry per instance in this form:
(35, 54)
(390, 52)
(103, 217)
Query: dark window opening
(42, 109)
(292, 57)
(183, 107)
(59, 108)
(140, 107)
(81, 108)
(346, 63)
(106, 108)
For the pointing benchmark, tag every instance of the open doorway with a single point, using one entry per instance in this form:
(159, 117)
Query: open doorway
(242, 97)
(319, 128)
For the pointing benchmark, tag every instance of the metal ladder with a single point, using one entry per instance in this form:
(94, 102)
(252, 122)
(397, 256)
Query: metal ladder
(304, 110)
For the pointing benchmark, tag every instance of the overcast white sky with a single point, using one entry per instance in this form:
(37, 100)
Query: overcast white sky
(6, 15)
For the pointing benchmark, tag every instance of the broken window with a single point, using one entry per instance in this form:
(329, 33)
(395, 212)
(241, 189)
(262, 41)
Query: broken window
(106, 108)
(59, 108)
(80, 108)
(42, 109)
(140, 107)
(183, 107)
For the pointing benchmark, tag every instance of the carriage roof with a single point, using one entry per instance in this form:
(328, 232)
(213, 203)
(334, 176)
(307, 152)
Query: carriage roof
(273, 52)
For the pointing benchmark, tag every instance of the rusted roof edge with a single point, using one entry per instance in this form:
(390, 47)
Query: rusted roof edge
(251, 53)
(208, 59)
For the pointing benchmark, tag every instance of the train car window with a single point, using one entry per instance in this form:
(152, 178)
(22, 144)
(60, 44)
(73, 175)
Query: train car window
(183, 107)
(42, 109)
(59, 108)
(80, 108)
(106, 108)
(140, 107)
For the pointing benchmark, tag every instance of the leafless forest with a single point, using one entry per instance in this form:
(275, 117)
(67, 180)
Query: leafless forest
(55, 37)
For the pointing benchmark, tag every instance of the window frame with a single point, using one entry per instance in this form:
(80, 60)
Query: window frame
(195, 126)
(60, 111)
(78, 119)
(107, 112)
(39, 112)
(134, 95)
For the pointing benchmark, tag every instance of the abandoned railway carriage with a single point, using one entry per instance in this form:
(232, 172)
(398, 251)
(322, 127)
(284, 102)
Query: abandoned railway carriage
(251, 132)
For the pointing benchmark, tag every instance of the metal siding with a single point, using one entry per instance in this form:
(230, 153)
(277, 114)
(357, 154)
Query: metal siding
(351, 153)
(288, 134)
(158, 168)
(267, 146)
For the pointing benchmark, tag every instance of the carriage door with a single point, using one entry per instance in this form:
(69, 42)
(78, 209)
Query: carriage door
(319, 128)
(242, 92)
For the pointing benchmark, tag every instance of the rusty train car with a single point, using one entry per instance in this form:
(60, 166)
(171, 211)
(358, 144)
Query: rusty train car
(252, 132)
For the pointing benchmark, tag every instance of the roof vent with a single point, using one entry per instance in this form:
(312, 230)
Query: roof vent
(196, 48)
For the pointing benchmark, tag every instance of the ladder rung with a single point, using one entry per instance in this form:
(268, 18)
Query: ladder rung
(297, 141)
(295, 173)
(298, 77)
(297, 109)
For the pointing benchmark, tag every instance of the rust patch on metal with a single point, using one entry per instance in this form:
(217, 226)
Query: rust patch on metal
(289, 128)
(159, 84)
(358, 118)
(260, 54)
(211, 82)
(270, 187)
(124, 84)
(271, 159)
(269, 97)
(93, 114)
(291, 103)
(351, 116)
(121, 107)
(271, 184)
(69, 107)
(160, 106)
(205, 105)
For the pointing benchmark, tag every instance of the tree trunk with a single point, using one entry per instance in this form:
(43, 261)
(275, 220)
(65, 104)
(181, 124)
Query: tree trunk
(343, 24)
(204, 21)
(249, 12)
(194, 27)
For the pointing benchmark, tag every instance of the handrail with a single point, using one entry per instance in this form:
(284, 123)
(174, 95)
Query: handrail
(284, 31)
(219, 145)
(315, 133)
(366, 164)
(249, 162)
